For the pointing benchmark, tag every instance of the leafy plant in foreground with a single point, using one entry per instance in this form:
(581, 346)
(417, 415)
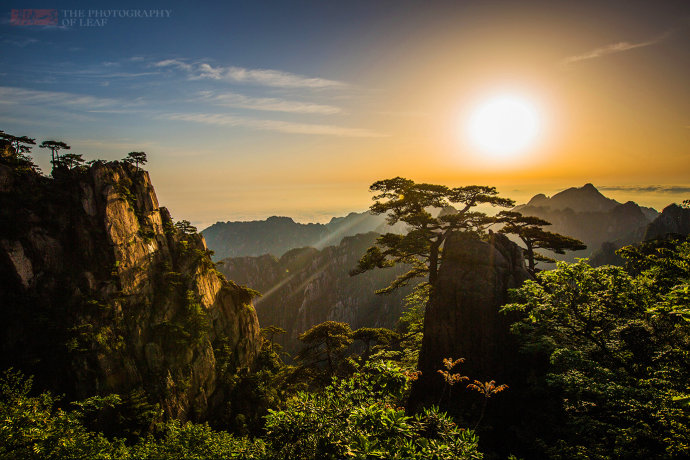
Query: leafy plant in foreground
(618, 343)
(359, 417)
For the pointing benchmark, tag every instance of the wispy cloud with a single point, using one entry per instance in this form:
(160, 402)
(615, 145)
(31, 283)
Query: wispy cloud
(677, 189)
(19, 42)
(263, 77)
(14, 95)
(269, 104)
(613, 48)
(404, 113)
(273, 125)
(111, 144)
(174, 63)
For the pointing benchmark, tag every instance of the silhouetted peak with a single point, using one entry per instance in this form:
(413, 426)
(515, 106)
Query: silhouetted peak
(580, 199)
(539, 200)
(672, 208)
(630, 205)
(280, 219)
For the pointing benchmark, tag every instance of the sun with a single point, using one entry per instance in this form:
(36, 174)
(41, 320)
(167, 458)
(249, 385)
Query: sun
(504, 125)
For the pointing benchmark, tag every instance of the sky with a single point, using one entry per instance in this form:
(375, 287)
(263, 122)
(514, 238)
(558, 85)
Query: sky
(253, 108)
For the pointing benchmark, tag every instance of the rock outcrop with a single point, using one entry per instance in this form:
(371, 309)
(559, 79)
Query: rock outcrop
(463, 319)
(673, 220)
(307, 286)
(101, 293)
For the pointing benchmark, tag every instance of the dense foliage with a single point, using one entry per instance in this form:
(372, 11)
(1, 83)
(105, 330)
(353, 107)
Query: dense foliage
(361, 417)
(357, 417)
(618, 344)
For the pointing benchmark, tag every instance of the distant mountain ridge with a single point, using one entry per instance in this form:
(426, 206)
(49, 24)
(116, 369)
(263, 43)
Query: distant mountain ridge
(586, 214)
(277, 235)
(580, 212)
(581, 199)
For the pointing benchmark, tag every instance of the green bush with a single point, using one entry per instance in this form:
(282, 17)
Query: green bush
(32, 427)
(359, 417)
(618, 343)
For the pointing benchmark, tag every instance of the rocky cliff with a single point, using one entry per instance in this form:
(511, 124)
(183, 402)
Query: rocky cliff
(307, 286)
(674, 220)
(463, 320)
(101, 293)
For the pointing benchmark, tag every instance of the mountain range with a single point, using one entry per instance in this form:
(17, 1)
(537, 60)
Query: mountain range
(586, 214)
(277, 235)
(302, 269)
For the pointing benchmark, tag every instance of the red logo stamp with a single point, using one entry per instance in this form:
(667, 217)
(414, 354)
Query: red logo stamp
(34, 17)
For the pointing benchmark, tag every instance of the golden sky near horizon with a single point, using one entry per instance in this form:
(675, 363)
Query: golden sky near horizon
(323, 111)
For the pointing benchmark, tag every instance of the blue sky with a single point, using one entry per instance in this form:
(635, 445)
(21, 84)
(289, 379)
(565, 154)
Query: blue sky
(254, 108)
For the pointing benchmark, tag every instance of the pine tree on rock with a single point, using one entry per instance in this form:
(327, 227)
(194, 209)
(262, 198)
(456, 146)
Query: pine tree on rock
(20, 144)
(55, 147)
(138, 158)
(407, 201)
(529, 230)
(71, 160)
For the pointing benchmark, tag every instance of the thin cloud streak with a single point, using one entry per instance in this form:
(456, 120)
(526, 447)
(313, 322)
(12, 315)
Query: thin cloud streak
(262, 77)
(647, 188)
(174, 63)
(112, 144)
(612, 49)
(274, 125)
(14, 95)
(269, 104)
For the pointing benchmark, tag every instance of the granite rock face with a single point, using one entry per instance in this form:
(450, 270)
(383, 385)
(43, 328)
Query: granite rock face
(674, 220)
(100, 292)
(463, 319)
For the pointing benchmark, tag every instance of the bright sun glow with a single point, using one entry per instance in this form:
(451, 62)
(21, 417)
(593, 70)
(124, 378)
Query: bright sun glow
(504, 125)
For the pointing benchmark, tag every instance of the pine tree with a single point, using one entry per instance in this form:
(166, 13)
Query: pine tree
(71, 160)
(529, 230)
(55, 147)
(20, 144)
(137, 158)
(325, 343)
(406, 201)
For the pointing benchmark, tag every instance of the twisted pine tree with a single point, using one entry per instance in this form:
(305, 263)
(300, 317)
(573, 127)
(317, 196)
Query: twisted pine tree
(20, 144)
(138, 158)
(55, 147)
(408, 202)
(529, 230)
